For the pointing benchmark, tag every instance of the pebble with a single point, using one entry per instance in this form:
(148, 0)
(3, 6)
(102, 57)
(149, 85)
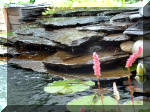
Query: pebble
(127, 46)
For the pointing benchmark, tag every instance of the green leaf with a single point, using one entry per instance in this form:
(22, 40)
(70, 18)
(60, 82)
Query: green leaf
(132, 68)
(65, 90)
(68, 86)
(87, 103)
(95, 98)
(135, 103)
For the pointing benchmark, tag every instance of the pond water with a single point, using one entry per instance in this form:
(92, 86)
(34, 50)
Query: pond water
(3, 84)
(25, 87)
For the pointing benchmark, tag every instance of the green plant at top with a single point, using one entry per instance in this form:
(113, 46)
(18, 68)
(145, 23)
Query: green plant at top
(66, 5)
(18, 3)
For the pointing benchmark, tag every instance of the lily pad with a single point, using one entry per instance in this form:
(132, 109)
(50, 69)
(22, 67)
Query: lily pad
(139, 102)
(89, 103)
(68, 86)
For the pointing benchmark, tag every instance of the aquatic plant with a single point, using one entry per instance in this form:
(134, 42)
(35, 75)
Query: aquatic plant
(116, 92)
(97, 72)
(140, 73)
(68, 86)
(87, 103)
(129, 63)
(141, 69)
(96, 67)
(133, 57)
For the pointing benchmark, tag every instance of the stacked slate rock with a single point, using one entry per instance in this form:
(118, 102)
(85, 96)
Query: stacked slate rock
(71, 41)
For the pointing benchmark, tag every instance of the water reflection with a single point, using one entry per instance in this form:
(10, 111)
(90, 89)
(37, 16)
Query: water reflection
(3, 84)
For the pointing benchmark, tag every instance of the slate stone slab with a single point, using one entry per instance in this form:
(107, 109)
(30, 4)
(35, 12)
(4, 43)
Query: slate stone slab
(122, 17)
(62, 22)
(62, 38)
(29, 31)
(116, 37)
(36, 66)
(107, 27)
(66, 61)
(117, 74)
(33, 43)
(71, 37)
(135, 17)
(140, 28)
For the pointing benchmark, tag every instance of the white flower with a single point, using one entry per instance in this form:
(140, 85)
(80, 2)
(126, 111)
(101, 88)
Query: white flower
(116, 92)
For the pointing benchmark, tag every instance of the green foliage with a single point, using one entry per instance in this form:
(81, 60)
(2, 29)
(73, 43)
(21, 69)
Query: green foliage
(32, 1)
(132, 68)
(138, 102)
(18, 3)
(92, 3)
(86, 4)
(92, 102)
(68, 86)
(6, 33)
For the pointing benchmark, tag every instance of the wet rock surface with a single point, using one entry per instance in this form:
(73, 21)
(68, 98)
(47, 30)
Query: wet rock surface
(36, 66)
(72, 37)
(51, 40)
(74, 65)
(107, 27)
(140, 28)
(135, 17)
(30, 31)
(114, 74)
(71, 41)
(33, 43)
(123, 16)
(62, 22)
(65, 61)
(116, 37)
